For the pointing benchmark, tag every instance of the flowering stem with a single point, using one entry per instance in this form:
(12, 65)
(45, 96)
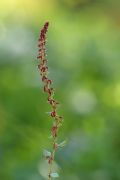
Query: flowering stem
(43, 69)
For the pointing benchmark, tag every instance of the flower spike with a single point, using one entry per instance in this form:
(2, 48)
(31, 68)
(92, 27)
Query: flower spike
(57, 120)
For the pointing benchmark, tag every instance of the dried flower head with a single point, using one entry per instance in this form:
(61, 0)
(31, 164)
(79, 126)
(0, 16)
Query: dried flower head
(57, 120)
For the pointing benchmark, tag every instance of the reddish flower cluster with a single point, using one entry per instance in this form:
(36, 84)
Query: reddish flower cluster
(42, 66)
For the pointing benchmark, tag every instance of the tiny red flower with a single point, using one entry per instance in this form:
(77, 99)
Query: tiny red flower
(50, 159)
(54, 131)
(53, 113)
(55, 146)
(44, 78)
(45, 88)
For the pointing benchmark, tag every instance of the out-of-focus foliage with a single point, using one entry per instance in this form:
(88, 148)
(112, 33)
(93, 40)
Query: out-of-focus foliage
(84, 62)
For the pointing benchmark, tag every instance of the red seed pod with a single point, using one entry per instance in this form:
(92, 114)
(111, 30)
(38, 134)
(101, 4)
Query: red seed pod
(51, 101)
(39, 57)
(44, 69)
(44, 61)
(49, 91)
(54, 131)
(53, 113)
(50, 159)
(42, 35)
(49, 81)
(39, 45)
(55, 146)
(44, 78)
(45, 88)
(46, 25)
(41, 50)
(49, 98)
(40, 66)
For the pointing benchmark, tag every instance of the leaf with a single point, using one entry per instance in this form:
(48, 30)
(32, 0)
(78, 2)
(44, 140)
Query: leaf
(62, 144)
(54, 175)
(47, 153)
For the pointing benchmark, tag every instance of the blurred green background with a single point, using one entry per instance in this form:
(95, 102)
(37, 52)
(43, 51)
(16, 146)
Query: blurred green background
(84, 63)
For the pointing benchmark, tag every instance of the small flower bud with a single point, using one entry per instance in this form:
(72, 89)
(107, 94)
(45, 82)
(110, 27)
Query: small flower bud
(49, 81)
(50, 159)
(53, 113)
(45, 88)
(44, 78)
(54, 131)
(55, 146)
(39, 57)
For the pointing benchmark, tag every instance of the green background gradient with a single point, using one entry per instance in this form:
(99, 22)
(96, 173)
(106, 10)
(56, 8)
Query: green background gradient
(84, 63)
